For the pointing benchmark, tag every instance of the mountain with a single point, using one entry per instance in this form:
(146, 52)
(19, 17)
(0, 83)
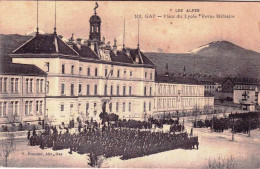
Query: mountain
(220, 58)
(8, 43)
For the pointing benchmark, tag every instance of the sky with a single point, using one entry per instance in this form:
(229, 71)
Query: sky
(156, 34)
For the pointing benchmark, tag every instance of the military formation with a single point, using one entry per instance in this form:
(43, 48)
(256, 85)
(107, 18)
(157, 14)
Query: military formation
(237, 122)
(111, 142)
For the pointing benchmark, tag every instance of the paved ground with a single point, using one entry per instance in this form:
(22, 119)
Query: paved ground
(244, 149)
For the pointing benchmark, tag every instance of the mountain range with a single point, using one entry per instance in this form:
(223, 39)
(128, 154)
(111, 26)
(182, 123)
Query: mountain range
(219, 58)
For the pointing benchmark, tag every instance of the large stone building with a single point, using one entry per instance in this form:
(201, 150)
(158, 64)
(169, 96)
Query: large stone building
(86, 77)
(22, 91)
(180, 96)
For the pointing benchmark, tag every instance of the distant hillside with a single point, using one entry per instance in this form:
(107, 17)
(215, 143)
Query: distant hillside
(219, 58)
(8, 43)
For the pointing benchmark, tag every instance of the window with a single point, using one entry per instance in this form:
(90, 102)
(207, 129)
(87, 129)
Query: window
(41, 86)
(88, 72)
(72, 69)
(5, 109)
(62, 88)
(105, 72)
(117, 90)
(30, 107)
(130, 90)
(40, 109)
(118, 73)
(145, 74)
(150, 91)
(151, 76)
(117, 106)
(37, 85)
(12, 85)
(150, 106)
(105, 90)
(1, 86)
(31, 85)
(129, 107)
(37, 106)
(124, 90)
(88, 88)
(123, 106)
(95, 109)
(47, 65)
(131, 73)
(110, 107)
(144, 107)
(26, 108)
(12, 107)
(72, 89)
(87, 108)
(63, 69)
(62, 107)
(1, 109)
(111, 90)
(47, 87)
(145, 91)
(80, 88)
(96, 72)
(80, 70)
(5, 85)
(95, 90)
(124, 73)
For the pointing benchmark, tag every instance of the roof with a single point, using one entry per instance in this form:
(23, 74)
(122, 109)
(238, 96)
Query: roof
(45, 44)
(21, 69)
(120, 57)
(86, 52)
(206, 82)
(143, 58)
(95, 18)
(208, 94)
(178, 80)
(242, 81)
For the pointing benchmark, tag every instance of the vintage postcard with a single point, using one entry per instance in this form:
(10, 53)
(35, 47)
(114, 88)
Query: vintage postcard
(129, 84)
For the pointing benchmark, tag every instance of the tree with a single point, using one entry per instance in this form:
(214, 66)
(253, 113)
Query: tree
(8, 144)
(113, 117)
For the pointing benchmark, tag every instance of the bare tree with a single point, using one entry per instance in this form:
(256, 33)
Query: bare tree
(8, 143)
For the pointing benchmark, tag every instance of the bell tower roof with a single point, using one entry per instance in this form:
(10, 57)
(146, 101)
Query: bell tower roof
(95, 18)
(95, 26)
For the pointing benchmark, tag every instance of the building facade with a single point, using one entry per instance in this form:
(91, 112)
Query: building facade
(180, 96)
(247, 97)
(22, 91)
(86, 77)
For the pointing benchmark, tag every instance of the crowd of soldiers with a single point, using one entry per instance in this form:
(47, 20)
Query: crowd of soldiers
(110, 142)
(238, 122)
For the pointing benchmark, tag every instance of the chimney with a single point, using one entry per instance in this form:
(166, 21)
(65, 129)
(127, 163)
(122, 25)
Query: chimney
(115, 47)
